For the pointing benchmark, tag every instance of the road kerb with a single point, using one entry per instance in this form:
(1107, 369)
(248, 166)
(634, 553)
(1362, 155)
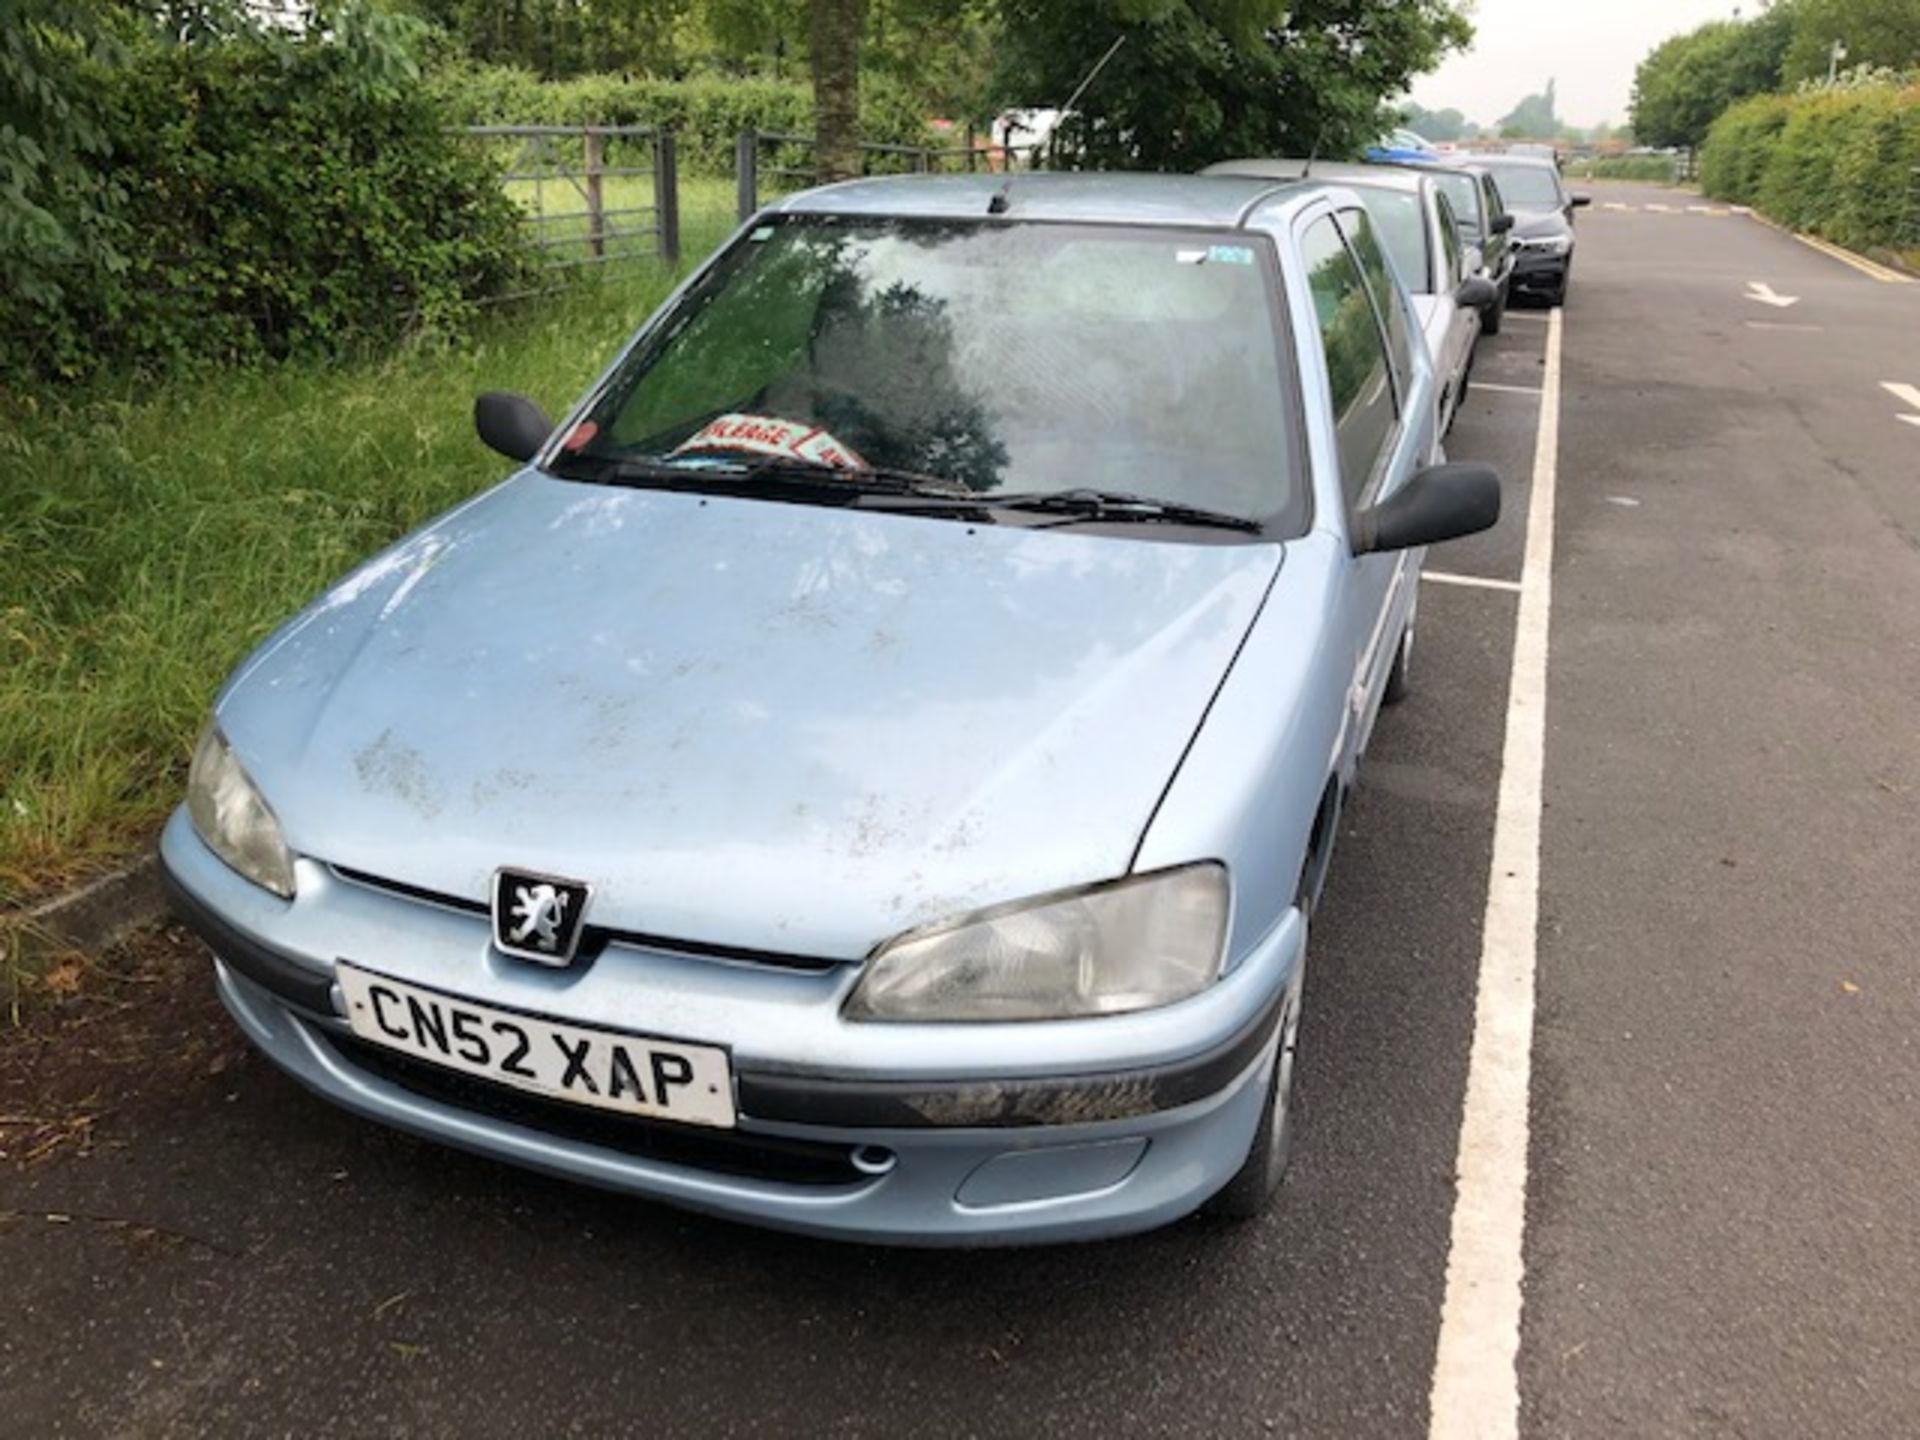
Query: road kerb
(1872, 269)
(89, 918)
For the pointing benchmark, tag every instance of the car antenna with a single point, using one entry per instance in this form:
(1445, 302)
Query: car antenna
(1313, 154)
(1065, 110)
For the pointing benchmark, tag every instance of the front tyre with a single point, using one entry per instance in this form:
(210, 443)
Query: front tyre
(1252, 1187)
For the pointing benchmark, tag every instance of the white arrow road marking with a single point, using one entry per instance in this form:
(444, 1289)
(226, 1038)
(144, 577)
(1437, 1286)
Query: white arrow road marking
(1766, 295)
(1908, 393)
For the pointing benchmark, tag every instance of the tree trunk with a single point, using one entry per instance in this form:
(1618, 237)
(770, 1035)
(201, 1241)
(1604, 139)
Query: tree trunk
(834, 40)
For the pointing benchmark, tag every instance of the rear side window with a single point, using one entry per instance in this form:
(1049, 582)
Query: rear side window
(1357, 370)
(1386, 295)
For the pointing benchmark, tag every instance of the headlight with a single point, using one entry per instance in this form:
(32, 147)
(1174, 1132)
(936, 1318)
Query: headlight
(233, 819)
(1129, 945)
(1549, 245)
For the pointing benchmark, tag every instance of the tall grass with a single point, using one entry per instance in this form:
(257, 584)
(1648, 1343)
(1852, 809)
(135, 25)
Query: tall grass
(151, 534)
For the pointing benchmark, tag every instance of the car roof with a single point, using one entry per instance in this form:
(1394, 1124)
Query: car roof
(1531, 162)
(1092, 197)
(1340, 172)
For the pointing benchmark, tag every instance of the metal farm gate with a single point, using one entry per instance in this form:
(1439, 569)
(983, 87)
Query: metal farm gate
(593, 194)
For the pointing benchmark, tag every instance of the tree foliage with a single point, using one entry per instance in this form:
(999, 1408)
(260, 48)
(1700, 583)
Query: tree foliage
(227, 193)
(1203, 80)
(1880, 33)
(1534, 118)
(1686, 81)
(1443, 125)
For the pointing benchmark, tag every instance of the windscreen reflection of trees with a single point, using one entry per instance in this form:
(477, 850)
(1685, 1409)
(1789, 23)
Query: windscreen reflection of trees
(879, 375)
(795, 332)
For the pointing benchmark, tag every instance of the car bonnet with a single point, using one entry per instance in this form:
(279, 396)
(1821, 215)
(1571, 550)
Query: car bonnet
(775, 726)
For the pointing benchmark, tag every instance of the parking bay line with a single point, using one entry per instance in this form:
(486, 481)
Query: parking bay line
(1476, 1378)
(1507, 389)
(1470, 582)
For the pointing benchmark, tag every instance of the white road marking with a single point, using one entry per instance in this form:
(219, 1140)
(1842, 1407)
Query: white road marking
(1471, 582)
(1614, 205)
(1661, 209)
(1767, 295)
(1506, 389)
(1780, 325)
(1908, 393)
(1526, 315)
(1476, 1381)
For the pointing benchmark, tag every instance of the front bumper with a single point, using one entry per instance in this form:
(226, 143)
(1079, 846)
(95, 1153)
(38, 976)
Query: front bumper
(922, 1134)
(1541, 269)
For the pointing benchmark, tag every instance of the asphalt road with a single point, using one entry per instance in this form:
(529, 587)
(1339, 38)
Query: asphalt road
(1720, 1232)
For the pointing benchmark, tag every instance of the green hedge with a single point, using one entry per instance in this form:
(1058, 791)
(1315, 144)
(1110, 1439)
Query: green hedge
(706, 113)
(1656, 168)
(269, 203)
(1838, 163)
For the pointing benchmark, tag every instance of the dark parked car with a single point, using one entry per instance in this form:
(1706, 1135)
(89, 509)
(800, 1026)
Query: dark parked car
(1484, 230)
(1542, 222)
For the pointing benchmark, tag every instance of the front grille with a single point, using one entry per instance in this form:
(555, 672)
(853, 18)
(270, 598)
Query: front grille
(595, 938)
(725, 1152)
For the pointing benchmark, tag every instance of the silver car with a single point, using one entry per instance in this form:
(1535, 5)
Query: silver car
(870, 768)
(1421, 232)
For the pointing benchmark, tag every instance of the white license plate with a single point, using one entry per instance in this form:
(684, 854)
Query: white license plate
(634, 1074)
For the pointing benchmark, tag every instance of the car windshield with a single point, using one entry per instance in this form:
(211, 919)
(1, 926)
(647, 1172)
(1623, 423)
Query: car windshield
(1005, 357)
(1396, 214)
(1465, 195)
(1528, 187)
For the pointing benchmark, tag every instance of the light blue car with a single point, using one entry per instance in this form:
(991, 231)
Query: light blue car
(870, 771)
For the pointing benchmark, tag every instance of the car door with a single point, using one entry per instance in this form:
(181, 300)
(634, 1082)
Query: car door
(1366, 345)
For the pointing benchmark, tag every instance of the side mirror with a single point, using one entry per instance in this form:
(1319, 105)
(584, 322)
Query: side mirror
(1502, 223)
(1476, 292)
(1580, 202)
(1442, 502)
(511, 424)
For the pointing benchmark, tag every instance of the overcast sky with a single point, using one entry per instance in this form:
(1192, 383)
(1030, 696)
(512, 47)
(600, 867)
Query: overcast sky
(1589, 46)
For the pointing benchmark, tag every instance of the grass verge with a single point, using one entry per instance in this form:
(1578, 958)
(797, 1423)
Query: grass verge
(152, 533)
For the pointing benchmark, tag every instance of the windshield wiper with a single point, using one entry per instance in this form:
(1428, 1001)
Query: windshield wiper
(871, 479)
(1118, 505)
(738, 475)
(907, 489)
